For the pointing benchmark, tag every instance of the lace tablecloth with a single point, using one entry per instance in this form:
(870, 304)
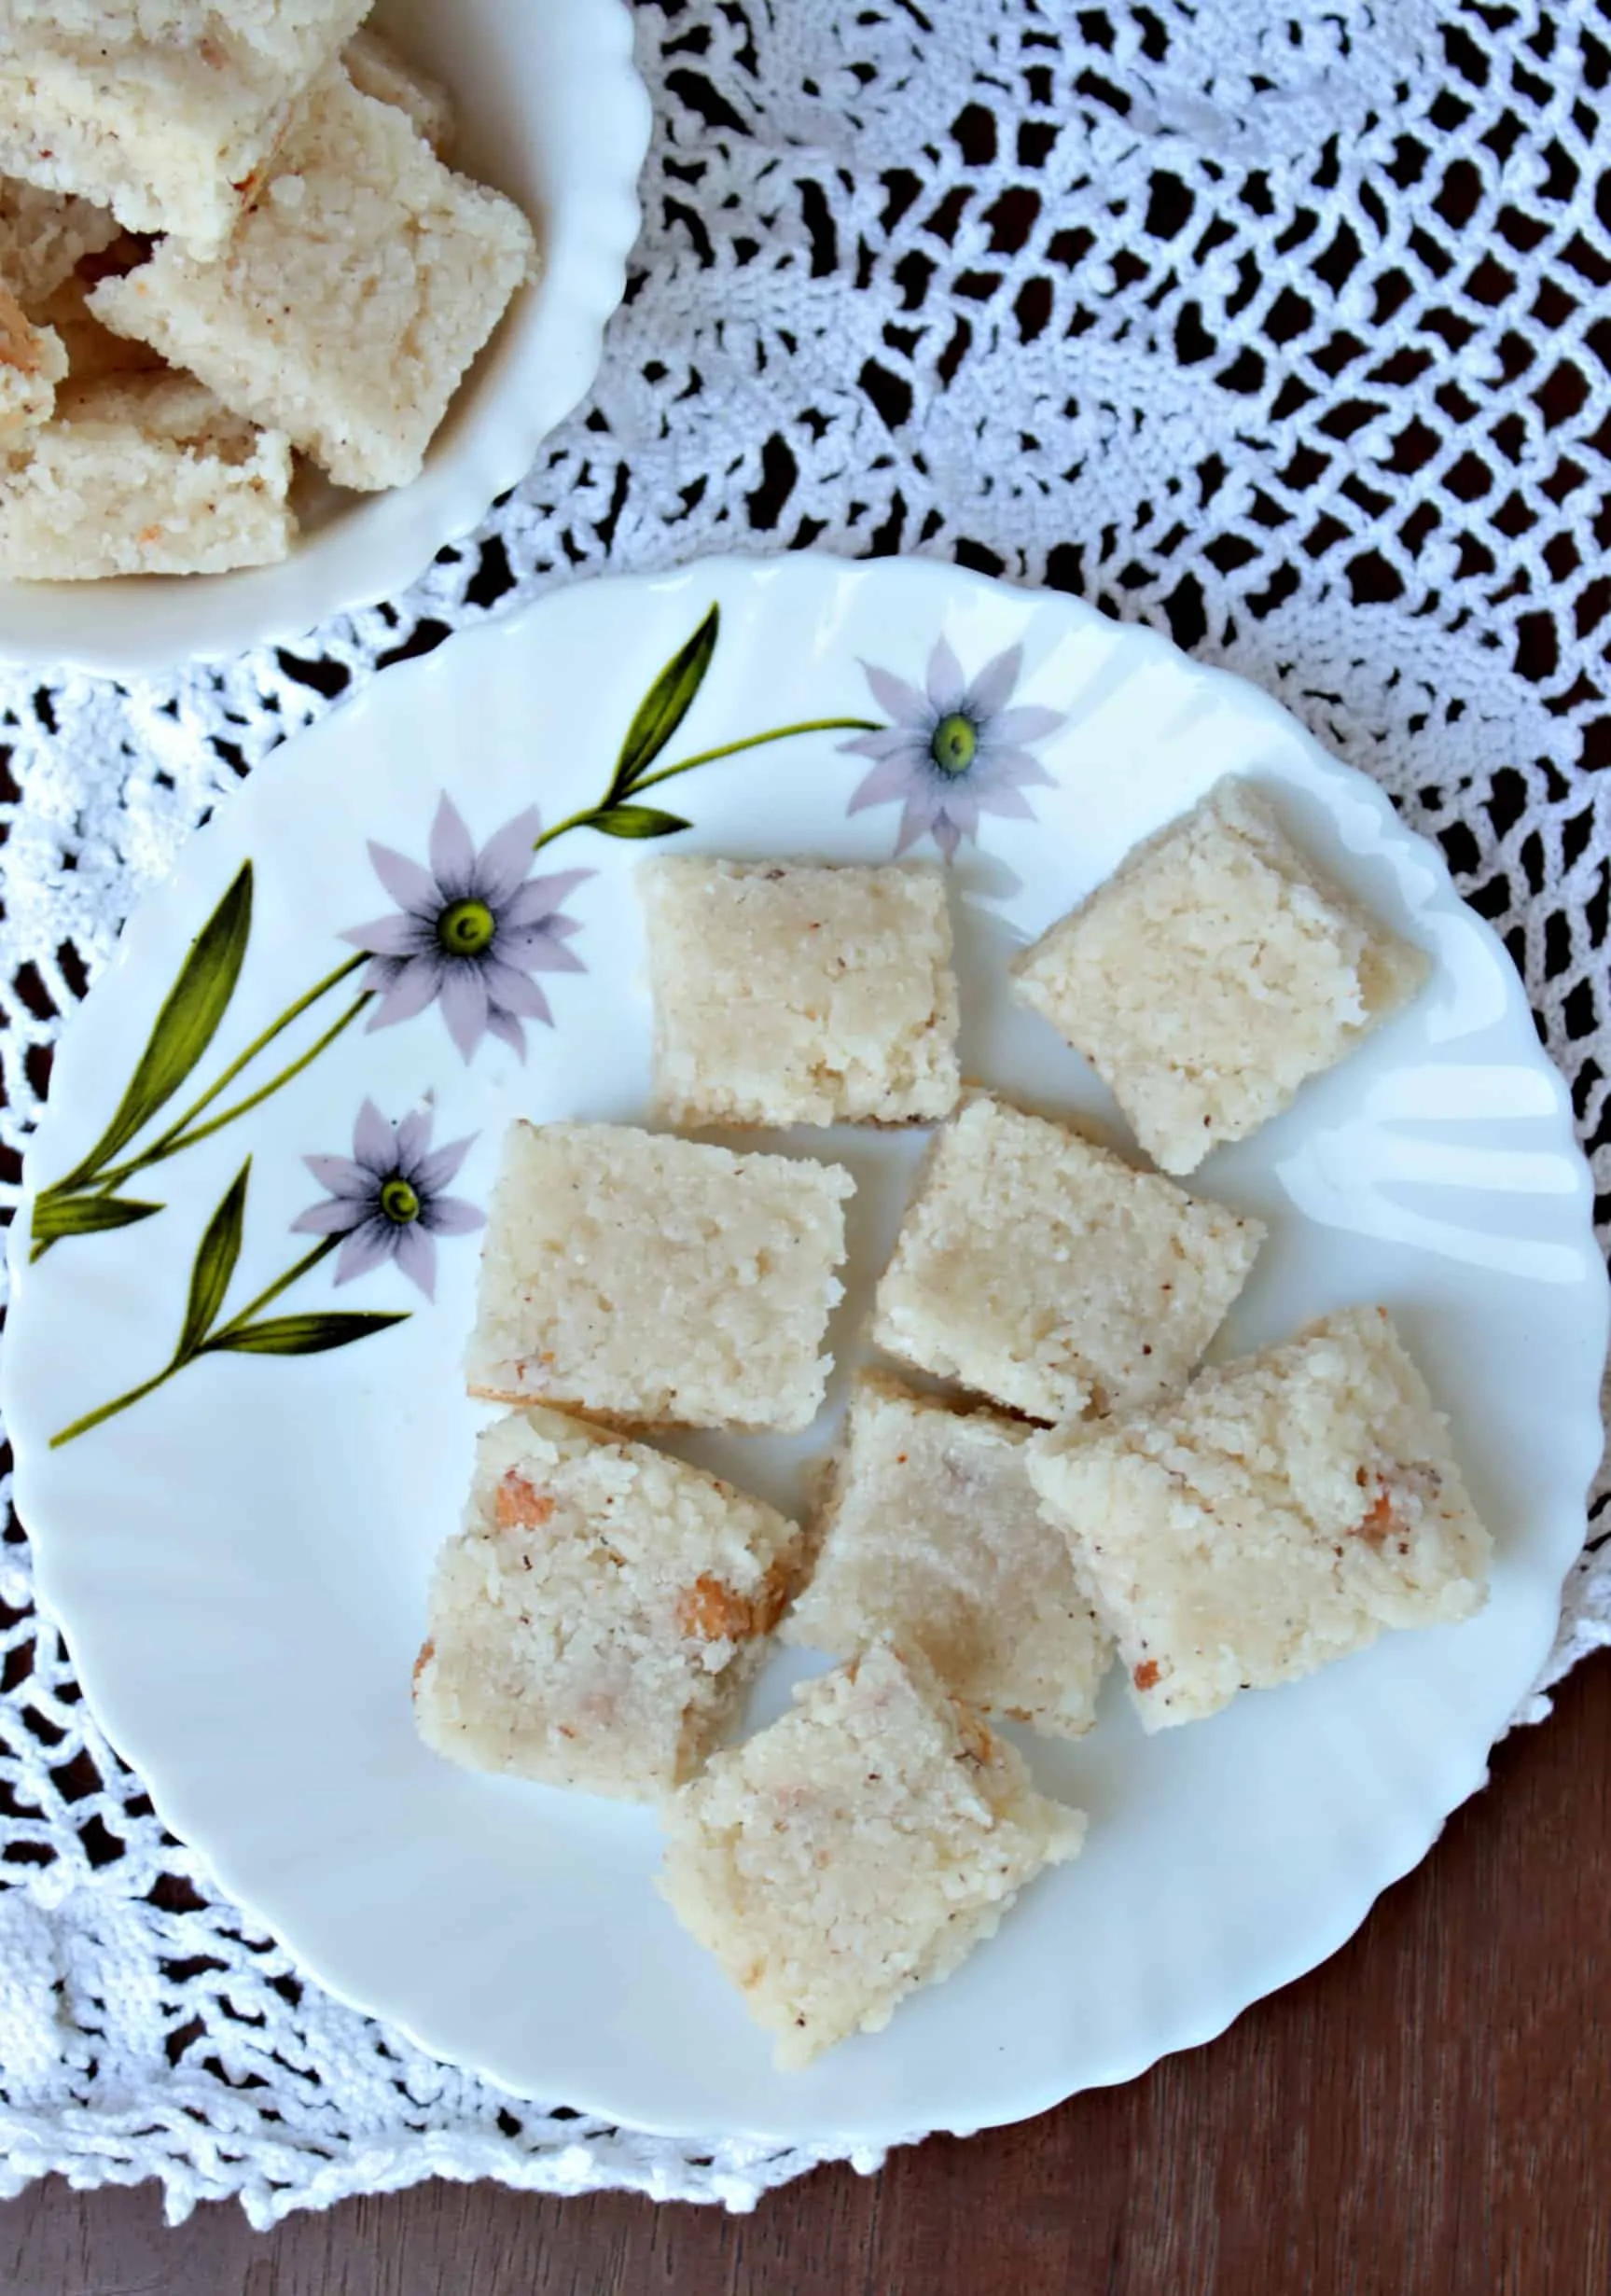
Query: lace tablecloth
(1281, 327)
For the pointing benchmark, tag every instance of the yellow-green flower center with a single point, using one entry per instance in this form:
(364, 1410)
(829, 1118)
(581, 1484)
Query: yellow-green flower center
(466, 928)
(400, 1202)
(955, 744)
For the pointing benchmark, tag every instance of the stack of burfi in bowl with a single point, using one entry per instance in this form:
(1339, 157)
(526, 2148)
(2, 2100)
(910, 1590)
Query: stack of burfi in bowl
(229, 240)
(1041, 1470)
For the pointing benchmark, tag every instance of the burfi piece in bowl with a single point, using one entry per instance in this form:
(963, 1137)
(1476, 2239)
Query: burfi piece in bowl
(787, 993)
(349, 300)
(858, 1848)
(656, 1281)
(933, 1534)
(600, 1616)
(1280, 1513)
(1051, 1275)
(143, 474)
(170, 132)
(1211, 974)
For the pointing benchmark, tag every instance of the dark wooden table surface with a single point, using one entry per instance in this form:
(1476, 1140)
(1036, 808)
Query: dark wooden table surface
(1428, 2115)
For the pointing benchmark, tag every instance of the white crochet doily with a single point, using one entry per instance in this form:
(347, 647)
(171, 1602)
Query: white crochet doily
(1280, 327)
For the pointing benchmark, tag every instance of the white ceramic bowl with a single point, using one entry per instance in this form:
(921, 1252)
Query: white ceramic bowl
(552, 111)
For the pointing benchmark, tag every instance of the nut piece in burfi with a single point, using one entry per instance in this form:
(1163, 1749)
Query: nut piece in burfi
(599, 1618)
(933, 1536)
(1280, 1513)
(649, 1280)
(1213, 974)
(349, 300)
(143, 474)
(794, 995)
(1050, 1275)
(33, 361)
(859, 1848)
(170, 132)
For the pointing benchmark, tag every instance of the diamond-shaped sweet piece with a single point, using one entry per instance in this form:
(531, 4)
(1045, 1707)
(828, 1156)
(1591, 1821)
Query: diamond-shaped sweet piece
(602, 1612)
(170, 133)
(349, 300)
(1213, 974)
(1051, 1275)
(793, 994)
(656, 1281)
(933, 1534)
(858, 1849)
(1280, 1513)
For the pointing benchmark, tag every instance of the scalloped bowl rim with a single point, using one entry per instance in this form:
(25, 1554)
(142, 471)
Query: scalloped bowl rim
(539, 365)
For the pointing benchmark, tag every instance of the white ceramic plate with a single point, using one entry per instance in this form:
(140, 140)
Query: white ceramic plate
(240, 1558)
(551, 110)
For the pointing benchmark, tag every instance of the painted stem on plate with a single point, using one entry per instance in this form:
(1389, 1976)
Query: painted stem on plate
(596, 816)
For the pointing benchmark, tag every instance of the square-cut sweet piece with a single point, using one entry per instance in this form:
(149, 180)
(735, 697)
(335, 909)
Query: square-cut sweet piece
(859, 1848)
(932, 1535)
(1051, 1275)
(143, 474)
(349, 300)
(1211, 974)
(1278, 1514)
(658, 1281)
(600, 1616)
(170, 133)
(44, 236)
(33, 361)
(378, 69)
(787, 993)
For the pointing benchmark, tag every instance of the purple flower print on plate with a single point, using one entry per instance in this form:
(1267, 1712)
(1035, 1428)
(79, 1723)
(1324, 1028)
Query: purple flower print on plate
(386, 1200)
(954, 750)
(469, 932)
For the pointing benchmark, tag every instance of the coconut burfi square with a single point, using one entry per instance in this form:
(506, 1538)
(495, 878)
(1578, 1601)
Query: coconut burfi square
(143, 474)
(787, 993)
(658, 1281)
(1050, 1275)
(171, 134)
(349, 300)
(1280, 1513)
(600, 1616)
(33, 361)
(1215, 972)
(858, 1848)
(932, 1535)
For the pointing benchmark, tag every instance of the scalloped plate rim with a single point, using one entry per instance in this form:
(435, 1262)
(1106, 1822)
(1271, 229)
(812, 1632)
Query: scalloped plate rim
(1322, 1938)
